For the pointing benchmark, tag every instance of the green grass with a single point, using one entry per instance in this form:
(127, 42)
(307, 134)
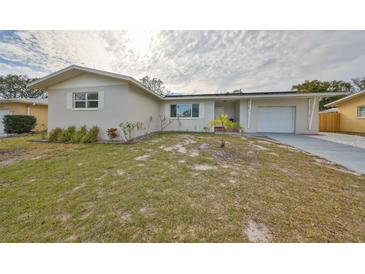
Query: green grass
(101, 193)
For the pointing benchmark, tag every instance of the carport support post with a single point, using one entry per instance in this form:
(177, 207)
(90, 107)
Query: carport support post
(249, 113)
(315, 99)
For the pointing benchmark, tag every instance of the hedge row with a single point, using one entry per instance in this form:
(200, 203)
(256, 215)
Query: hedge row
(73, 135)
(19, 123)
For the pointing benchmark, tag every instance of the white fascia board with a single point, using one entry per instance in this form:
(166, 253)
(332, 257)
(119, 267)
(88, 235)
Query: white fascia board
(94, 71)
(295, 95)
(335, 103)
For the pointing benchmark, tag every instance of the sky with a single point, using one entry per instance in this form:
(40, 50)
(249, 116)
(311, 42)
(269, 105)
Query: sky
(192, 61)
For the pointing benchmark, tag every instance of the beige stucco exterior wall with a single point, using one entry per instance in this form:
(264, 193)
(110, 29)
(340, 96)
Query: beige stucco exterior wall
(40, 112)
(348, 115)
(110, 114)
(143, 108)
(118, 102)
(206, 111)
(301, 113)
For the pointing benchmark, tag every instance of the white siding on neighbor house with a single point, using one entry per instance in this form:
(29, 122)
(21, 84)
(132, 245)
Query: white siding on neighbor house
(141, 107)
(113, 108)
(301, 113)
(206, 114)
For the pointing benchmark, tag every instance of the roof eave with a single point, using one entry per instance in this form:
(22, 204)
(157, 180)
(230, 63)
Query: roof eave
(345, 99)
(37, 83)
(257, 95)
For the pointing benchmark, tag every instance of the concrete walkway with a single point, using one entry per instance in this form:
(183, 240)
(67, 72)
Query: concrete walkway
(348, 156)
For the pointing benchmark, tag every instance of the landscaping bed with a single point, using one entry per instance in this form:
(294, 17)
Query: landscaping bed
(176, 188)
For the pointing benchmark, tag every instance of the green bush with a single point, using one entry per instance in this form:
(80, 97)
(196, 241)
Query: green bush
(80, 133)
(55, 135)
(91, 136)
(68, 135)
(19, 123)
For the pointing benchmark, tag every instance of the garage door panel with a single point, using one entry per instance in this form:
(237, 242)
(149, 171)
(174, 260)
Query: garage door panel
(276, 119)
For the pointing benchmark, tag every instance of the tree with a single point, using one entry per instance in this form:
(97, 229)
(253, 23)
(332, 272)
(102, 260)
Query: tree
(226, 124)
(324, 86)
(359, 83)
(15, 86)
(155, 85)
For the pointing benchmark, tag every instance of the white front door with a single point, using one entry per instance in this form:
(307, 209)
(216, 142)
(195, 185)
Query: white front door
(3, 112)
(219, 111)
(276, 119)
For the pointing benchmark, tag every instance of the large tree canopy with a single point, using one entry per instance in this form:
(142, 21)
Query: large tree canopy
(359, 83)
(155, 85)
(325, 86)
(15, 86)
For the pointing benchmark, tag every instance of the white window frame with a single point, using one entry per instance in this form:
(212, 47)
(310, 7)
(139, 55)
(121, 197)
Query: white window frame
(361, 113)
(186, 117)
(86, 100)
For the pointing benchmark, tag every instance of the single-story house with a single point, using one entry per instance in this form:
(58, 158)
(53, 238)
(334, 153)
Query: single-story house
(83, 96)
(352, 112)
(25, 106)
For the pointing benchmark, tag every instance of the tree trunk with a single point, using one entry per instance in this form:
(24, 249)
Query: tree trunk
(222, 140)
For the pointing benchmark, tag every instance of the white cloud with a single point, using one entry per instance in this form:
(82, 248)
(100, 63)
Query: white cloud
(22, 70)
(194, 61)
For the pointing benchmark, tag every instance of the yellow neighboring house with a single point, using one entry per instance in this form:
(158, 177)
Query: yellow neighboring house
(352, 112)
(25, 106)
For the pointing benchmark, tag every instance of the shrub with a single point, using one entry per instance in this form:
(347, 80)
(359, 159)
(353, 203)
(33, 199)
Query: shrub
(80, 134)
(68, 135)
(19, 123)
(91, 136)
(127, 130)
(112, 133)
(55, 134)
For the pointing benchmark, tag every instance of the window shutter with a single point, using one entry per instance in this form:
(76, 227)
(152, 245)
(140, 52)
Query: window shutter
(69, 100)
(201, 110)
(101, 99)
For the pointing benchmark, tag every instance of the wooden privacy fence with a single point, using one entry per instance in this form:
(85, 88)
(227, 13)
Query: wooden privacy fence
(329, 121)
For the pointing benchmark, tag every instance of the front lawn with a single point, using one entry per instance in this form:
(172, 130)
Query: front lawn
(176, 188)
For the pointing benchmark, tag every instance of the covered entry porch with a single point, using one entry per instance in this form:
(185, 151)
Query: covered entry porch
(227, 107)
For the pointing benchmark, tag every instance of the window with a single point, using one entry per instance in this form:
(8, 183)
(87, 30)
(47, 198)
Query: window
(184, 110)
(86, 100)
(361, 111)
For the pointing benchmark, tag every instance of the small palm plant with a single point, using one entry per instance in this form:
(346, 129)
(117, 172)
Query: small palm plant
(226, 124)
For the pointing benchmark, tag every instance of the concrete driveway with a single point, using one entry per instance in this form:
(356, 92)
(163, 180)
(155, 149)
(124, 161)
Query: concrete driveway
(350, 157)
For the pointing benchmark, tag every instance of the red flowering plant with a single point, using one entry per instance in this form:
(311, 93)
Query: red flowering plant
(112, 133)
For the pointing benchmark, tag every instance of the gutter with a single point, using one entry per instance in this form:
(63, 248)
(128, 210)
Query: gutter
(252, 96)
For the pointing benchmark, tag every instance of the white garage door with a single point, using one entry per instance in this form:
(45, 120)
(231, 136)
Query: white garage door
(2, 114)
(276, 119)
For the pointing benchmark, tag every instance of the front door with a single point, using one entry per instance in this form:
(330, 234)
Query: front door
(219, 111)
